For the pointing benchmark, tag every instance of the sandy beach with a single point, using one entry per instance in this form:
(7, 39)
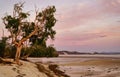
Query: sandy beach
(86, 65)
(65, 66)
(28, 69)
(93, 68)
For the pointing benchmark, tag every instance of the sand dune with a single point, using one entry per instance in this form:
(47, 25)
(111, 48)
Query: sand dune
(28, 69)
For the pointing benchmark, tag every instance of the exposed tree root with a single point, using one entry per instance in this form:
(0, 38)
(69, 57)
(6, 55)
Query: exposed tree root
(9, 61)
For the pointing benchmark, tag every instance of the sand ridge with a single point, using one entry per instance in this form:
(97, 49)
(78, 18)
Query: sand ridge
(28, 69)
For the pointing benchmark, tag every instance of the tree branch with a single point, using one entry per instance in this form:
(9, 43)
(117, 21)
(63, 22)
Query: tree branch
(32, 33)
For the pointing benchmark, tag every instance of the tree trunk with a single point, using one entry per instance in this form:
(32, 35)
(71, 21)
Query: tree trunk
(18, 52)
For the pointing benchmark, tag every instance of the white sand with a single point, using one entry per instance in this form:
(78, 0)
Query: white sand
(26, 70)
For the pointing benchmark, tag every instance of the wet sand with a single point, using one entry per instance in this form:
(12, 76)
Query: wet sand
(86, 65)
(93, 68)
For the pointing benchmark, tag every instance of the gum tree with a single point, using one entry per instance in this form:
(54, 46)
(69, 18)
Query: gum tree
(21, 29)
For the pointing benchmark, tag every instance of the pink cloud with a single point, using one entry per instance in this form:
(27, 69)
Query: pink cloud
(75, 15)
(98, 36)
(89, 25)
(110, 6)
(79, 14)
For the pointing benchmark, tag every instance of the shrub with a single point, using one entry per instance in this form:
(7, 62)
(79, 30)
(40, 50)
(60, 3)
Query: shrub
(40, 51)
(51, 52)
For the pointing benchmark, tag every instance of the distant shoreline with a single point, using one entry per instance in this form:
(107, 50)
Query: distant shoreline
(116, 56)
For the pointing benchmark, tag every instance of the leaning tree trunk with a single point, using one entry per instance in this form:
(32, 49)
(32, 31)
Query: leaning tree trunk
(18, 52)
(19, 46)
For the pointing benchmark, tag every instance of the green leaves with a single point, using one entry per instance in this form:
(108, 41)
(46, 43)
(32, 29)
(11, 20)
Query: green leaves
(19, 26)
(46, 17)
(14, 23)
(38, 31)
(27, 28)
(23, 15)
(11, 23)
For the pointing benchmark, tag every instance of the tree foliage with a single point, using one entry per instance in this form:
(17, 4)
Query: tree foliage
(21, 29)
(41, 51)
(3, 44)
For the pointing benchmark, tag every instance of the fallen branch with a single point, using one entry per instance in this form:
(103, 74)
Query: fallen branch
(2, 60)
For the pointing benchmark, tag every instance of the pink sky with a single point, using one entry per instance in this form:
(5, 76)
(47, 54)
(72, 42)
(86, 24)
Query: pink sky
(83, 25)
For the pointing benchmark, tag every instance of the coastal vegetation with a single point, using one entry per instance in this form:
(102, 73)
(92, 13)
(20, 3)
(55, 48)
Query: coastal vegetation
(28, 38)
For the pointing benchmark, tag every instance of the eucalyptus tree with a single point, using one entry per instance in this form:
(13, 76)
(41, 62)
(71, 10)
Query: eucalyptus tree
(21, 29)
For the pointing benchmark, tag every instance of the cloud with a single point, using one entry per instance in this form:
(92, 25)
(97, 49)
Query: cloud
(110, 6)
(85, 11)
(72, 16)
(95, 35)
(86, 24)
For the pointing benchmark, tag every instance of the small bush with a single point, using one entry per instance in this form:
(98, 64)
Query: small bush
(40, 51)
(9, 51)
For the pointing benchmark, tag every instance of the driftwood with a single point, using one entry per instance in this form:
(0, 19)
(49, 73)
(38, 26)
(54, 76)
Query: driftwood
(2, 60)
(9, 61)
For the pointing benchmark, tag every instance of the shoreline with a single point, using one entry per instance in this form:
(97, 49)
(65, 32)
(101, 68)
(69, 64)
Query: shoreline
(63, 67)
(89, 66)
(116, 56)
